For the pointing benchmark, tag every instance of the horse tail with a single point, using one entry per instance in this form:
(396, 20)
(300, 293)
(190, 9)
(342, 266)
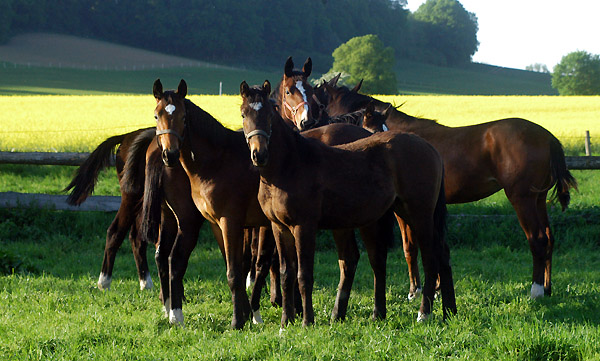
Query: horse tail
(133, 170)
(564, 179)
(86, 176)
(153, 197)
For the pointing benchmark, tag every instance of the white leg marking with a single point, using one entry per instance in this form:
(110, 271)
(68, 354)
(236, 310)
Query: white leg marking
(104, 282)
(249, 282)
(537, 291)
(421, 317)
(176, 317)
(414, 295)
(167, 307)
(146, 284)
(256, 318)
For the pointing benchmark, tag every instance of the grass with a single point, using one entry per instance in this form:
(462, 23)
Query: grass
(54, 311)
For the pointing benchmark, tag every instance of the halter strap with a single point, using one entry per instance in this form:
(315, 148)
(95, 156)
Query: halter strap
(257, 132)
(169, 131)
(294, 110)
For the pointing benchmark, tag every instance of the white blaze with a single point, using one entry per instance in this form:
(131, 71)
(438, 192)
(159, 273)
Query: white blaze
(300, 87)
(385, 128)
(256, 106)
(170, 109)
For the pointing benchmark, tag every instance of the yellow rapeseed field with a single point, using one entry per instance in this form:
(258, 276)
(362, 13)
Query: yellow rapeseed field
(80, 123)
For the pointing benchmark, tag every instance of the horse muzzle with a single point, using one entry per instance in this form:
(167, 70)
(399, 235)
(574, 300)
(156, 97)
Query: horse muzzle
(170, 157)
(259, 158)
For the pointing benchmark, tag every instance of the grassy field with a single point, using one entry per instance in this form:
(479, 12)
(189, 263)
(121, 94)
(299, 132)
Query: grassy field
(79, 123)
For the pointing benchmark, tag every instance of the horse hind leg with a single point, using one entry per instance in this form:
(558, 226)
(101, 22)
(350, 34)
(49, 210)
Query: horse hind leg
(139, 247)
(348, 256)
(527, 209)
(263, 255)
(543, 212)
(411, 253)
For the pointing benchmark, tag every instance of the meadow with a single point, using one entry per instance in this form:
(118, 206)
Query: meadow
(50, 260)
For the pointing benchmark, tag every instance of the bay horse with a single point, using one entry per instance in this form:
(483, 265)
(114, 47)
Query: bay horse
(306, 185)
(513, 154)
(82, 186)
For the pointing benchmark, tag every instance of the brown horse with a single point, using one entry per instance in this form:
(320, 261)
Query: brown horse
(82, 186)
(513, 154)
(306, 185)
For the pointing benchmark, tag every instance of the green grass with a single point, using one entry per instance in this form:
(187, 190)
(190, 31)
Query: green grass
(54, 311)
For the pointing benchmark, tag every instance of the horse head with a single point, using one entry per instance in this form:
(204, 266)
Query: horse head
(373, 120)
(170, 120)
(296, 95)
(257, 114)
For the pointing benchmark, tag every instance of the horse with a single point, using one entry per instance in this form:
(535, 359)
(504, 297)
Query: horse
(130, 164)
(513, 154)
(82, 185)
(306, 185)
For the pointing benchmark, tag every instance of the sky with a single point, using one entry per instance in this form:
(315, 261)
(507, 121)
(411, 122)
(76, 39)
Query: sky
(517, 33)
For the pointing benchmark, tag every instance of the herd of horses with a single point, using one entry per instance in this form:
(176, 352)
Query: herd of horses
(310, 158)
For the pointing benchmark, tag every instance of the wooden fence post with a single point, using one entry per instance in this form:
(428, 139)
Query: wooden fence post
(588, 148)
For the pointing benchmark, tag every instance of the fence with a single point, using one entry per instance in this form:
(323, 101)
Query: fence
(111, 203)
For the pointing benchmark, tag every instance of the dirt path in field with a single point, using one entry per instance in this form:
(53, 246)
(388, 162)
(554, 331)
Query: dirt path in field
(42, 49)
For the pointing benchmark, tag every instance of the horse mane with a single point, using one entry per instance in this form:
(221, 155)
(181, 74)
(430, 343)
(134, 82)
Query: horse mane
(130, 182)
(354, 118)
(201, 124)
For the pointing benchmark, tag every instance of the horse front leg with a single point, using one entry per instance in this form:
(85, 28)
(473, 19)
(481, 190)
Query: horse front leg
(287, 269)
(166, 239)
(305, 238)
(233, 244)
(348, 256)
(139, 247)
(264, 256)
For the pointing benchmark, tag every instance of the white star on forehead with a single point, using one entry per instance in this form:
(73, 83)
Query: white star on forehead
(256, 106)
(170, 109)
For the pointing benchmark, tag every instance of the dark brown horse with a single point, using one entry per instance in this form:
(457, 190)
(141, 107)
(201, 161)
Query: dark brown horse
(132, 187)
(306, 185)
(513, 154)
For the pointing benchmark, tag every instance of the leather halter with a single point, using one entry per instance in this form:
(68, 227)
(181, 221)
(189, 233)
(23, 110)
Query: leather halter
(171, 131)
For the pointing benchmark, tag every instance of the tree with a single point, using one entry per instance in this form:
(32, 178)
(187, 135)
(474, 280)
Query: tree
(538, 67)
(366, 58)
(450, 30)
(578, 73)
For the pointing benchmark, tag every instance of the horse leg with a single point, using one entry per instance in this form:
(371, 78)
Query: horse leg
(167, 235)
(264, 255)
(348, 256)
(287, 269)
(305, 237)
(233, 245)
(543, 212)
(250, 255)
(115, 235)
(139, 247)
(411, 252)
(275, 280)
(526, 207)
(378, 237)
(445, 279)
(422, 230)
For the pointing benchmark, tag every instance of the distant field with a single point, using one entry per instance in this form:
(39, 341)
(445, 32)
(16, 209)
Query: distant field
(80, 123)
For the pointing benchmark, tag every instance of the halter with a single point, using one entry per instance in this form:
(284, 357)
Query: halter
(171, 131)
(258, 132)
(293, 110)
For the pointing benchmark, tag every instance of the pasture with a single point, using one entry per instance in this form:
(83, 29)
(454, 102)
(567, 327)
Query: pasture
(50, 259)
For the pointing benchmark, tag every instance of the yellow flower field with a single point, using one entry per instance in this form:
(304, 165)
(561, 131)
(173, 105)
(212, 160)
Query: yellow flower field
(80, 123)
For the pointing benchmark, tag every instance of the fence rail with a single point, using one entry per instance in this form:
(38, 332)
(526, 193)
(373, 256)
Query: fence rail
(111, 203)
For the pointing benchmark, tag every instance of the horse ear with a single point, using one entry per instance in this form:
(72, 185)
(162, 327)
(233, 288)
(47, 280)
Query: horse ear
(370, 109)
(357, 87)
(288, 70)
(244, 89)
(329, 89)
(386, 112)
(307, 67)
(333, 82)
(157, 89)
(182, 89)
(267, 87)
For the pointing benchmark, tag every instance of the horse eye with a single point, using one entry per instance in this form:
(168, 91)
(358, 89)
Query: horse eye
(243, 115)
(287, 92)
(155, 117)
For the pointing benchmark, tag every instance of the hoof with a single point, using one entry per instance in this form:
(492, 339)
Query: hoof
(537, 291)
(421, 317)
(256, 318)
(413, 295)
(104, 282)
(147, 283)
(176, 317)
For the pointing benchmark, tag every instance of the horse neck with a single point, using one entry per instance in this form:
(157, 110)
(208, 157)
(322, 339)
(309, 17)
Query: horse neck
(286, 147)
(208, 139)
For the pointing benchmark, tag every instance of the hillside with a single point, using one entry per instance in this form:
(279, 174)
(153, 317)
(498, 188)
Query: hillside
(42, 63)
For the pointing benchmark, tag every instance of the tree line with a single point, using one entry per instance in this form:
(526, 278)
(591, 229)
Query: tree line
(254, 32)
